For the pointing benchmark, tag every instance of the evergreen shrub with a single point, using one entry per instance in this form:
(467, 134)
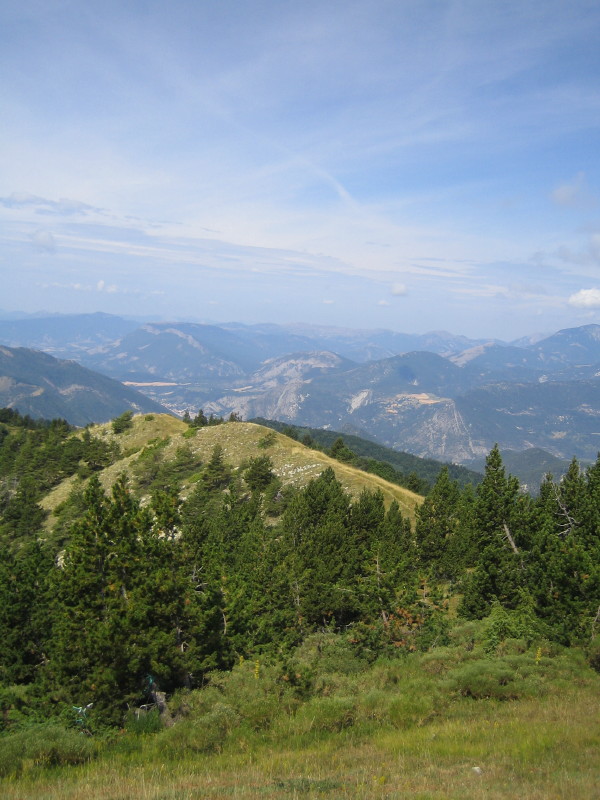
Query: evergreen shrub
(123, 422)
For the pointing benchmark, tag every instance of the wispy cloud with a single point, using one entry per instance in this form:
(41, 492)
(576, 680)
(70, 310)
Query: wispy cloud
(44, 240)
(433, 147)
(573, 193)
(99, 287)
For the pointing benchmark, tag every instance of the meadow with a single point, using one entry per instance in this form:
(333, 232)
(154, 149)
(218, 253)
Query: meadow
(457, 722)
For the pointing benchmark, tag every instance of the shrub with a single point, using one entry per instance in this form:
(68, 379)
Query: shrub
(255, 691)
(594, 653)
(442, 659)
(45, 746)
(326, 714)
(204, 734)
(502, 624)
(267, 440)
(466, 634)
(327, 652)
(496, 679)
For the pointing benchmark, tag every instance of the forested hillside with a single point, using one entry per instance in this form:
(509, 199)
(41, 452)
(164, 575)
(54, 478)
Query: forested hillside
(164, 564)
(152, 577)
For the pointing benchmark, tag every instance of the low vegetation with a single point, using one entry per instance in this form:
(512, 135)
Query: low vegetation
(459, 721)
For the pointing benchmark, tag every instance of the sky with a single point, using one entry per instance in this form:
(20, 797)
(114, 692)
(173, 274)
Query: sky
(414, 165)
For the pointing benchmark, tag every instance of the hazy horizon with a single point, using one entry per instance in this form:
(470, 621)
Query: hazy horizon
(399, 165)
(16, 315)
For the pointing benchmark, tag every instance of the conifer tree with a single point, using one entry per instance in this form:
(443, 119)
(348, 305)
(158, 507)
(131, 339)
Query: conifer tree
(438, 524)
(125, 606)
(500, 570)
(24, 629)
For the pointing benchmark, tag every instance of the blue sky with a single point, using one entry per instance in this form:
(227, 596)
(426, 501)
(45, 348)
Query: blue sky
(413, 165)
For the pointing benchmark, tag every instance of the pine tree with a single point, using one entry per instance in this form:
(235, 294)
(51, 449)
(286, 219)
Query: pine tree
(23, 619)
(565, 565)
(125, 606)
(438, 523)
(259, 473)
(498, 527)
(216, 474)
(321, 554)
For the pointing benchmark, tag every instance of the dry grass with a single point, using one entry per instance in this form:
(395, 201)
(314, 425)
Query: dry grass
(293, 463)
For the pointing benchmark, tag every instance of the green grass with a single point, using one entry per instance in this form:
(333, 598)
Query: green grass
(398, 729)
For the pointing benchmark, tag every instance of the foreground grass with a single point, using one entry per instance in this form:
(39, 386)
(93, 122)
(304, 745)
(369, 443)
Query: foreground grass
(532, 748)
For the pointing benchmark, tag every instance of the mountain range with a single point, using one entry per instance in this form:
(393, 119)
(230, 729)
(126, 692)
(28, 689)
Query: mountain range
(436, 395)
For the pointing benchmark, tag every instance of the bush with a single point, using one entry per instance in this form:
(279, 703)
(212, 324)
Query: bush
(326, 714)
(267, 440)
(324, 653)
(503, 624)
(45, 746)
(594, 653)
(255, 691)
(499, 679)
(205, 734)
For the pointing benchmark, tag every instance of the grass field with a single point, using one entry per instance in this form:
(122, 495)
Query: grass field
(398, 730)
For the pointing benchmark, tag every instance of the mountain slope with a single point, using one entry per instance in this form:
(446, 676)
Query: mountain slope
(570, 346)
(293, 463)
(424, 468)
(42, 386)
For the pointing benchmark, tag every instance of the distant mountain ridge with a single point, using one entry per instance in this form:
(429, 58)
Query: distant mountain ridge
(42, 386)
(68, 335)
(453, 404)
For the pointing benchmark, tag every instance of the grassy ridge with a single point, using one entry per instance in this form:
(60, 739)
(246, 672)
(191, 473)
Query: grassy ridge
(293, 463)
(426, 469)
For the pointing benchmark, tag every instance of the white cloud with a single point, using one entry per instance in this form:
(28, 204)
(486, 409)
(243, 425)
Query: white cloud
(585, 298)
(100, 286)
(383, 303)
(328, 302)
(399, 289)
